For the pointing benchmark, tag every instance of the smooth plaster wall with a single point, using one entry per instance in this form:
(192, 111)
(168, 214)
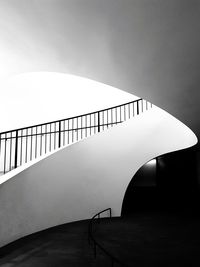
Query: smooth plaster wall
(147, 47)
(40, 97)
(76, 182)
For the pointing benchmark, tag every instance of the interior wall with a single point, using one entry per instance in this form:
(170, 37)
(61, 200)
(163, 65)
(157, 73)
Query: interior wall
(147, 47)
(78, 181)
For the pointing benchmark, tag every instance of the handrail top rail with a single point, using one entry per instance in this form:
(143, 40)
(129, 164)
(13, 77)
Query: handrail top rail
(108, 209)
(97, 243)
(70, 118)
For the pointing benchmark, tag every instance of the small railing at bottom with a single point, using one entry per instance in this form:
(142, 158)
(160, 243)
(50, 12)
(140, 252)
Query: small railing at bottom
(113, 260)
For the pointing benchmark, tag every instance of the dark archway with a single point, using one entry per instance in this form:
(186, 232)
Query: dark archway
(167, 183)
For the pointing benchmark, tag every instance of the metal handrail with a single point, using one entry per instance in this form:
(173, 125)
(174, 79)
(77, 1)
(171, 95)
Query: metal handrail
(22, 145)
(96, 244)
(74, 117)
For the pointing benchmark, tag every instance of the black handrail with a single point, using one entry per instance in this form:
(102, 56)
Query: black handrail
(96, 244)
(22, 145)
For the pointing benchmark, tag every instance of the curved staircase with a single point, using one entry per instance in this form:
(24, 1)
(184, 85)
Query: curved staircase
(20, 146)
(58, 182)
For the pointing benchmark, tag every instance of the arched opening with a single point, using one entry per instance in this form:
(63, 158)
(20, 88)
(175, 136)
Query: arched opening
(167, 183)
(141, 192)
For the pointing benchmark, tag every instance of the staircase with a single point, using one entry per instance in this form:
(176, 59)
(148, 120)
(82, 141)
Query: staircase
(20, 146)
(55, 182)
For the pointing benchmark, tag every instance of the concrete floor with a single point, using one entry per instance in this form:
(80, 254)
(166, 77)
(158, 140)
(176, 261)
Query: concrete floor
(65, 245)
(145, 239)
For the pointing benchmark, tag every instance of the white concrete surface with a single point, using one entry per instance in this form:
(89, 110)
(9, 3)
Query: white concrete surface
(77, 181)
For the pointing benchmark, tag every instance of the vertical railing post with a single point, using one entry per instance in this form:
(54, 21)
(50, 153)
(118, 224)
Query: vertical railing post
(4, 169)
(16, 149)
(137, 107)
(98, 121)
(59, 135)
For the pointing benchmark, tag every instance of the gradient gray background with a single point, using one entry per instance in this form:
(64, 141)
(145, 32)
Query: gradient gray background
(147, 47)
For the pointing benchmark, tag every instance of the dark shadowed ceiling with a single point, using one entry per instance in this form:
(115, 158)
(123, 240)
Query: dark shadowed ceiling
(150, 48)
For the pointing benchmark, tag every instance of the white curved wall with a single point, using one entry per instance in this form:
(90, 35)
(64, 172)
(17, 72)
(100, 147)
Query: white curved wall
(147, 47)
(93, 174)
(39, 97)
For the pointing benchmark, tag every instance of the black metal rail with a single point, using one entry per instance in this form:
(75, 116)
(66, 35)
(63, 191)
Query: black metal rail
(22, 145)
(113, 260)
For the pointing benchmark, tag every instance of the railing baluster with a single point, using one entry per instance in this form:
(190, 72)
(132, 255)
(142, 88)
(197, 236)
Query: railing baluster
(54, 135)
(41, 140)
(107, 119)
(26, 145)
(111, 117)
(10, 167)
(137, 107)
(45, 149)
(36, 143)
(4, 169)
(98, 122)
(96, 245)
(21, 147)
(103, 120)
(14, 154)
(16, 149)
(31, 143)
(59, 135)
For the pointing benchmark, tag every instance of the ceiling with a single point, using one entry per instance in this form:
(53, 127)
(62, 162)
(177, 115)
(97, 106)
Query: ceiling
(150, 48)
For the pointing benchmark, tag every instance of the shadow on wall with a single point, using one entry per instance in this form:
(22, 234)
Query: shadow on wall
(167, 183)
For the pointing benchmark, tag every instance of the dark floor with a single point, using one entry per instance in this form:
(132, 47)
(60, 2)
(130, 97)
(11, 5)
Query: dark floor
(154, 239)
(65, 245)
(145, 239)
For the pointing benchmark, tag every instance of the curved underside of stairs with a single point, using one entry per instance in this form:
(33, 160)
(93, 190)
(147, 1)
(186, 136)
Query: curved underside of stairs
(79, 180)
